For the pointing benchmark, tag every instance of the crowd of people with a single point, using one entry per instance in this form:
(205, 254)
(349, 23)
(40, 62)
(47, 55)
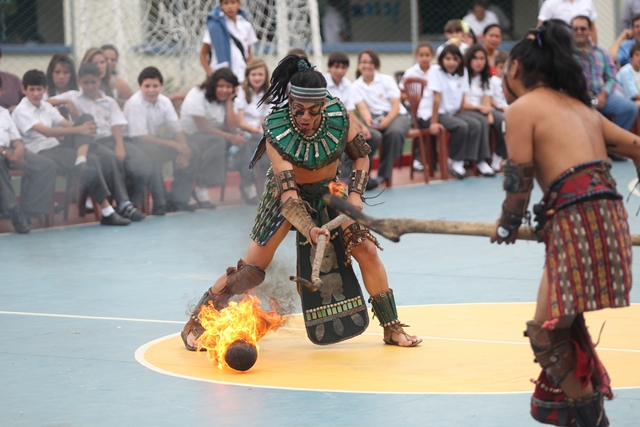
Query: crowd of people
(87, 122)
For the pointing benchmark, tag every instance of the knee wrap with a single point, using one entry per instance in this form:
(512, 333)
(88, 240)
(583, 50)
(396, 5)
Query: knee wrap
(353, 236)
(243, 278)
(553, 350)
(357, 147)
(588, 411)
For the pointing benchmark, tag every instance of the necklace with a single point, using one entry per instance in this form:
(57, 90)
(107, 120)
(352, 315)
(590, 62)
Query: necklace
(305, 137)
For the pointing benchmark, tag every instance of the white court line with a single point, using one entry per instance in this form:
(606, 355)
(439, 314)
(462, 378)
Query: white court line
(178, 322)
(632, 187)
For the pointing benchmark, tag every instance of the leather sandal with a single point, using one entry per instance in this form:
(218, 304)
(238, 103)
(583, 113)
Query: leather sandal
(398, 328)
(192, 326)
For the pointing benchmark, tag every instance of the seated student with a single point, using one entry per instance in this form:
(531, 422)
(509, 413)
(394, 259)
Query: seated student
(340, 87)
(61, 77)
(419, 70)
(155, 128)
(97, 57)
(121, 89)
(39, 182)
(629, 76)
(40, 123)
(448, 82)
(454, 31)
(499, 103)
(477, 105)
(92, 102)
(208, 119)
(377, 98)
(250, 117)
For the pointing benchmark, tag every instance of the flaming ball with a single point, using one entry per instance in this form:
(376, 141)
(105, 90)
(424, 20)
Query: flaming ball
(241, 355)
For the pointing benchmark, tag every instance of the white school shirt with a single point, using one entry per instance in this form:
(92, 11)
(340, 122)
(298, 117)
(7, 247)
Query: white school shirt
(243, 31)
(26, 116)
(477, 91)
(478, 27)
(452, 87)
(463, 48)
(332, 25)
(341, 91)
(497, 94)
(413, 72)
(8, 129)
(566, 10)
(105, 110)
(378, 94)
(144, 118)
(253, 114)
(196, 105)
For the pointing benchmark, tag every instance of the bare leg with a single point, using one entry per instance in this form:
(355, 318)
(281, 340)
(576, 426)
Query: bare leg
(375, 280)
(570, 385)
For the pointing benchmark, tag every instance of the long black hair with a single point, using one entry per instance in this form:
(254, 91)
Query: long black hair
(547, 55)
(455, 51)
(292, 69)
(485, 73)
(61, 58)
(210, 84)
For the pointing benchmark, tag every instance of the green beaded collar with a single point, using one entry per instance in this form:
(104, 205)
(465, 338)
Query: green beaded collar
(309, 152)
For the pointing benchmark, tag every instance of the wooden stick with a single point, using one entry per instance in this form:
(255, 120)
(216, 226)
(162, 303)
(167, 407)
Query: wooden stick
(393, 228)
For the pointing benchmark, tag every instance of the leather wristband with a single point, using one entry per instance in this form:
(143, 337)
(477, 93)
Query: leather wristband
(358, 181)
(295, 211)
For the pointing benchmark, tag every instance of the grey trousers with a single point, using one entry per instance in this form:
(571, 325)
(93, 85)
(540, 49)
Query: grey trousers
(462, 145)
(36, 188)
(392, 144)
(346, 165)
(258, 175)
(89, 173)
(477, 120)
(501, 147)
(212, 167)
(183, 178)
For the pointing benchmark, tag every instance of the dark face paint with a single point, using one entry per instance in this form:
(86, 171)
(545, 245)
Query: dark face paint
(298, 110)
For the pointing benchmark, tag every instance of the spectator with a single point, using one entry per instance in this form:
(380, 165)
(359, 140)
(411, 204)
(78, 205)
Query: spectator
(491, 42)
(419, 70)
(11, 89)
(61, 77)
(121, 89)
(630, 10)
(621, 48)
(250, 117)
(476, 106)
(453, 31)
(601, 76)
(377, 98)
(39, 179)
(339, 87)
(566, 10)
(629, 76)
(227, 39)
(40, 123)
(334, 28)
(480, 17)
(96, 56)
(154, 127)
(499, 103)
(92, 104)
(448, 84)
(468, 36)
(208, 120)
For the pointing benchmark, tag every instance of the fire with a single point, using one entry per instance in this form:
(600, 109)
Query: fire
(337, 188)
(245, 320)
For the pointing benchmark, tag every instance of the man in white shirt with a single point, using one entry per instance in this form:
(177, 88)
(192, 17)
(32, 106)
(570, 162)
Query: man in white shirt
(334, 28)
(40, 123)
(566, 10)
(480, 18)
(227, 22)
(154, 126)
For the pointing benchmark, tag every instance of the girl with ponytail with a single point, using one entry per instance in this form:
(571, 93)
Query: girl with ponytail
(304, 136)
(554, 135)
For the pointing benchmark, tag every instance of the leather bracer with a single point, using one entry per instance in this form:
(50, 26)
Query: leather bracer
(357, 147)
(295, 211)
(358, 181)
(518, 183)
(285, 181)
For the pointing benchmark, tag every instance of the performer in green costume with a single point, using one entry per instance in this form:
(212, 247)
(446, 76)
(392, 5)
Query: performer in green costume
(304, 139)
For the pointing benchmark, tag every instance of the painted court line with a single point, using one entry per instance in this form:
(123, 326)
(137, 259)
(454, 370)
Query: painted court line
(178, 322)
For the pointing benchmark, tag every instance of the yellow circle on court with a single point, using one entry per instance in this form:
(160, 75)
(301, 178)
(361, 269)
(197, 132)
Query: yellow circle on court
(466, 348)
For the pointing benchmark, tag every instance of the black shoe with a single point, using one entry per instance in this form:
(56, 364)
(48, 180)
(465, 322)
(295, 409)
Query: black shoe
(159, 210)
(181, 207)
(114, 219)
(372, 184)
(132, 213)
(20, 223)
(206, 205)
(456, 174)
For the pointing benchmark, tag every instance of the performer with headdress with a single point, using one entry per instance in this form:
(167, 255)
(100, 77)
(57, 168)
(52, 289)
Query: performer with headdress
(305, 134)
(553, 134)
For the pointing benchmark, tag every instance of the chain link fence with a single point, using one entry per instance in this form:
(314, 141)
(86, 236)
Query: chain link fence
(168, 33)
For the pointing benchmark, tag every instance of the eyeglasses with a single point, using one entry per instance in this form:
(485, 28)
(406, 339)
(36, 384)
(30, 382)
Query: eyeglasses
(366, 63)
(579, 29)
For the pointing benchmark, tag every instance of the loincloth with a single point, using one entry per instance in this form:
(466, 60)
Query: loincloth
(583, 223)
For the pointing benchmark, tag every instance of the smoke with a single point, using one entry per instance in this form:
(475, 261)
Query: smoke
(278, 287)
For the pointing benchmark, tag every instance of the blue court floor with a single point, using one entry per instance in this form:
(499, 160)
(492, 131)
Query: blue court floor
(76, 303)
